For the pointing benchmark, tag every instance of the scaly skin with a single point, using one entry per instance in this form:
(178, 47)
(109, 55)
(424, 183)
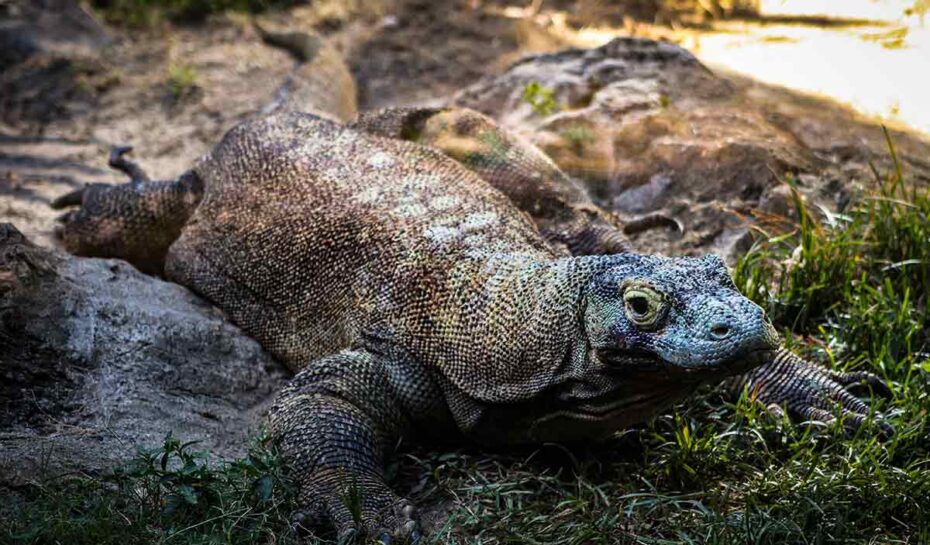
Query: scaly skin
(522, 172)
(410, 294)
(320, 82)
(560, 206)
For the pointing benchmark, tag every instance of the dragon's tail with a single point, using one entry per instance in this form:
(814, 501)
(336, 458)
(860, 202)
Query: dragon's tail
(304, 46)
(320, 83)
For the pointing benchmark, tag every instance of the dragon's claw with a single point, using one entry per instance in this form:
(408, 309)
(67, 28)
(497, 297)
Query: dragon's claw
(72, 198)
(118, 161)
(789, 385)
(863, 382)
(381, 517)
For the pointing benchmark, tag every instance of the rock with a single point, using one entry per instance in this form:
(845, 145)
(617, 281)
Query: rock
(650, 129)
(643, 197)
(97, 358)
(779, 202)
(50, 64)
(64, 27)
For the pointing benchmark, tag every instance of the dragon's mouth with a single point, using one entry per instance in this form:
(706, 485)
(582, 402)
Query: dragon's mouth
(604, 409)
(629, 387)
(748, 361)
(638, 362)
(607, 415)
(629, 360)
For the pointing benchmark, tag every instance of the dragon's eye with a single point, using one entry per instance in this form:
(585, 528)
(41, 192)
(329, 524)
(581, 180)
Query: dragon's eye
(643, 304)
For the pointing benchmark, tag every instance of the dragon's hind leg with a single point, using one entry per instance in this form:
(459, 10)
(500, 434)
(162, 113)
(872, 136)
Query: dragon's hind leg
(136, 221)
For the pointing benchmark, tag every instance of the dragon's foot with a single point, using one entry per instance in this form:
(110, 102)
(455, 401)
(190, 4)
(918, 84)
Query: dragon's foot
(811, 393)
(359, 512)
(136, 221)
(100, 219)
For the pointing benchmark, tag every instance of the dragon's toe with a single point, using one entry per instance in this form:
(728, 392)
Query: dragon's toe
(804, 391)
(359, 516)
(863, 382)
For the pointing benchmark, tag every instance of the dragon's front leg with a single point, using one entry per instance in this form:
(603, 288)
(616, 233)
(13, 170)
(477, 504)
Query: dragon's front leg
(334, 424)
(811, 392)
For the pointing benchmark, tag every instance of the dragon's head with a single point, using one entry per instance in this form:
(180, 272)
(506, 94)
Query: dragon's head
(654, 329)
(679, 316)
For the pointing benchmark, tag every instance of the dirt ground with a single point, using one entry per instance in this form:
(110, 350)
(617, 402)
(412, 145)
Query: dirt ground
(173, 91)
(73, 87)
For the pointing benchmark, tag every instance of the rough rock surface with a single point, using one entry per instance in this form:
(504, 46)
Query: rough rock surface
(649, 128)
(98, 358)
(48, 58)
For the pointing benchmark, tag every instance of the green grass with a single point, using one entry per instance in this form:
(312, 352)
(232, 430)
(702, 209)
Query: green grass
(855, 281)
(848, 290)
(168, 494)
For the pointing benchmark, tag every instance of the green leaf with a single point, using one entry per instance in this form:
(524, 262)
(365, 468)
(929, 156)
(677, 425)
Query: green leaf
(188, 493)
(263, 488)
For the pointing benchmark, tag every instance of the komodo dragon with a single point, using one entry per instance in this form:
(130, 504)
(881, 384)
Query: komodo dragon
(567, 217)
(414, 298)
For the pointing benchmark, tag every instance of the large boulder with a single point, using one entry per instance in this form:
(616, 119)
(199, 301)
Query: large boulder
(97, 358)
(649, 128)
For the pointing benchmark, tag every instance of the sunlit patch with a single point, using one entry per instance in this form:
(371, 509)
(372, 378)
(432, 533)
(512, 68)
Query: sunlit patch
(444, 202)
(479, 220)
(380, 160)
(872, 55)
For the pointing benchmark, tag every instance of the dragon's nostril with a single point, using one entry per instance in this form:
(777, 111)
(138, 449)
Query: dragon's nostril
(720, 331)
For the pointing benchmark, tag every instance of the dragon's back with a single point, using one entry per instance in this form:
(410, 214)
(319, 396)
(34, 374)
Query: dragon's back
(310, 234)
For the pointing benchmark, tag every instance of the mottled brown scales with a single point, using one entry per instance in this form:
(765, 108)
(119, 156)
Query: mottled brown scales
(328, 208)
(560, 206)
(136, 221)
(425, 273)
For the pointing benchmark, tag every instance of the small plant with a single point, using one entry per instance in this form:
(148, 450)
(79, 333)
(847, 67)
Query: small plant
(182, 80)
(171, 493)
(353, 497)
(664, 101)
(578, 136)
(541, 99)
